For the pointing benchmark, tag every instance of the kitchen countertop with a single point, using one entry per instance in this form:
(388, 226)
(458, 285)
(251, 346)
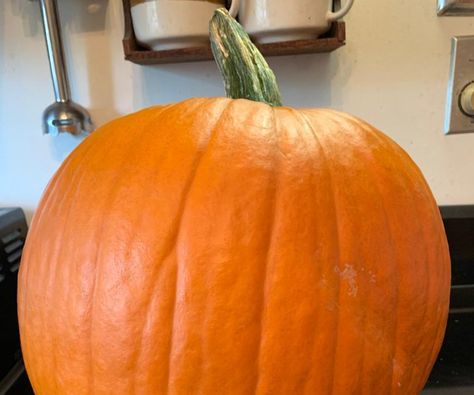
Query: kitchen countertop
(468, 390)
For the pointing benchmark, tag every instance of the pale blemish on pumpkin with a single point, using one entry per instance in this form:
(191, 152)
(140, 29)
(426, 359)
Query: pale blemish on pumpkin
(349, 275)
(372, 278)
(332, 306)
(323, 282)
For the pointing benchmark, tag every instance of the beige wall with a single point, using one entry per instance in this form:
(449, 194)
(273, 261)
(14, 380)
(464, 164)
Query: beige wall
(392, 72)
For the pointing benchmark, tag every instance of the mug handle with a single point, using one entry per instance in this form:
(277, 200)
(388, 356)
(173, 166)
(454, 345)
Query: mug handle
(234, 8)
(333, 16)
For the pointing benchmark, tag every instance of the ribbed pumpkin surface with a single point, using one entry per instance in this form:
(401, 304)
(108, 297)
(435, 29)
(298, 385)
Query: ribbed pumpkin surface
(221, 246)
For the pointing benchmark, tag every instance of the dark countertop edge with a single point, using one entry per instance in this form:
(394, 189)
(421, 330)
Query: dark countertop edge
(453, 212)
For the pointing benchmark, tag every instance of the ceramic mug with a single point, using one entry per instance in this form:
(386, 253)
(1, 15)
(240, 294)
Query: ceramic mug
(281, 20)
(173, 24)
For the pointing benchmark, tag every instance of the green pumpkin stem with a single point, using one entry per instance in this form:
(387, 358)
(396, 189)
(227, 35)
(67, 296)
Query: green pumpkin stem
(245, 72)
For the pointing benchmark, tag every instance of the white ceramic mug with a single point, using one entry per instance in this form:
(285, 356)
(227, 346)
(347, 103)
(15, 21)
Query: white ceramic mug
(282, 20)
(173, 24)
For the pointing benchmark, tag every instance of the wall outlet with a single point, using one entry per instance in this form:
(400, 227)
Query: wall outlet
(461, 75)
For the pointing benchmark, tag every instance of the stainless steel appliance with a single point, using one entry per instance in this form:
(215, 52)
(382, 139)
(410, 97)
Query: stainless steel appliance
(13, 380)
(453, 373)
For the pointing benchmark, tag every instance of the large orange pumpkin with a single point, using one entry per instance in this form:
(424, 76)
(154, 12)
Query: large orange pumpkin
(220, 246)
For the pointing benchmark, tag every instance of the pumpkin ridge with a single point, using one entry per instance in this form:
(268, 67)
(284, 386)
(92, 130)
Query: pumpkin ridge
(58, 205)
(162, 259)
(441, 323)
(136, 360)
(381, 139)
(427, 287)
(198, 160)
(443, 250)
(302, 125)
(75, 181)
(304, 119)
(168, 252)
(388, 143)
(366, 156)
(314, 188)
(394, 253)
(24, 272)
(265, 266)
(369, 132)
(132, 147)
(445, 270)
(56, 202)
(433, 295)
(336, 116)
